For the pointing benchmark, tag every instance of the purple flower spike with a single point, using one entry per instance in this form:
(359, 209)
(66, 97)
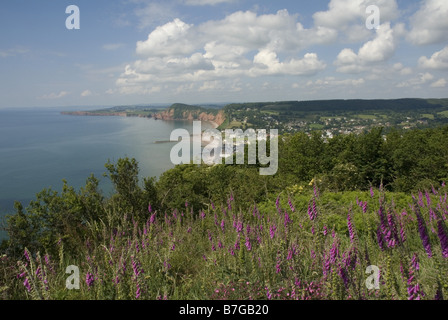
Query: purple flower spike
(350, 227)
(423, 233)
(27, 284)
(443, 238)
(291, 206)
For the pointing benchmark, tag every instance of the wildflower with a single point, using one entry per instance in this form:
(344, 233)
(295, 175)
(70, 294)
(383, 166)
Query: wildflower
(27, 285)
(443, 238)
(136, 268)
(272, 230)
(372, 193)
(152, 219)
(364, 206)
(312, 210)
(287, 220)
(248, 245)
(434, 190)
(350, 227)
(277, 266)
(379, 237)
(26, 254)
(344, 276)
(428, 199)
(423, 233)
(186, 204)
(90, 279)
(420, 199)
(290, 205)
(202, 215)
(239, 226)
(138, 293)
(414, 290)
(402, 233)
(149, 208)
(213, 206)
(173, 247)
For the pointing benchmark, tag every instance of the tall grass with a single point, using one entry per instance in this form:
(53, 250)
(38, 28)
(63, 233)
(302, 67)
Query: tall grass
(290, 251)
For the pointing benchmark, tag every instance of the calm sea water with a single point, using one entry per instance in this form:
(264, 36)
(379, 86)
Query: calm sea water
(39, 148)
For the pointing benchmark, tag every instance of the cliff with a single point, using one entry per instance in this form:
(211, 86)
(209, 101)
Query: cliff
(187, 112)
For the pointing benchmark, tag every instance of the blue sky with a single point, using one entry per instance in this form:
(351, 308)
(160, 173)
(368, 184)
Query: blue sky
(204, 51)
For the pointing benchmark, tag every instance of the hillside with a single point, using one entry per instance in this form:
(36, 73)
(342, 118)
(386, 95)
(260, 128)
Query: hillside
(179, 111)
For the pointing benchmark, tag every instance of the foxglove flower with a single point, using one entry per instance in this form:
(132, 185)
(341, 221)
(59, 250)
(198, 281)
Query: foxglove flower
(27, 285)
(364, 207)
(272, 230)
(428, 199)
(248, 245)
(423, 233)
(351, 230)
(287, 220)
(443, 238)
(27, 255)
(379, 237)
(223, 225)
(90, 279)
(291, 206)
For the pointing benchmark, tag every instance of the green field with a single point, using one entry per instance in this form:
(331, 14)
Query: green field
(428, 116)
(444, 113)
(317, 126)
(366, 117)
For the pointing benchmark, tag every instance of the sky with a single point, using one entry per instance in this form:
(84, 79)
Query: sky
(220, 51)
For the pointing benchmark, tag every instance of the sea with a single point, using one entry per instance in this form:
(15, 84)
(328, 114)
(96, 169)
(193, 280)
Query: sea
(41, 147)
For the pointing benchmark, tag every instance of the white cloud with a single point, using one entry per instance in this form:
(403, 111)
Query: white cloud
(378, 50)
(266, 62)
(53, 96)
(438, 60)
(398, 67)
(429, 25)
(441, 83)
(349, 16)
(169, 39)
(243, 44)
(86, 93)
(415, 82)
(332, 82)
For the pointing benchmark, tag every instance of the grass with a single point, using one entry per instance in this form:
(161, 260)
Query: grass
(304, 246)
(444, 113)
(428, 116)
(317, 126)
